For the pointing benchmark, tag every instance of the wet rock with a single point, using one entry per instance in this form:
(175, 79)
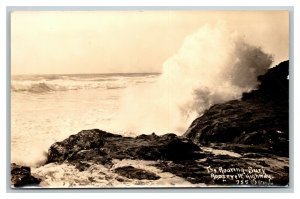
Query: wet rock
(101, 147)
(274, 84)
(84, 140)
(168, 147)
(82, 166)
(134, 173)
(21, 176)
(261, 118)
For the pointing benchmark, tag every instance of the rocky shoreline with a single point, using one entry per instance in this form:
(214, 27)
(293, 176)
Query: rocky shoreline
(238, 143)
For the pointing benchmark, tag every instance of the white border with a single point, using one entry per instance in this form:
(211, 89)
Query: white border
(5, 3)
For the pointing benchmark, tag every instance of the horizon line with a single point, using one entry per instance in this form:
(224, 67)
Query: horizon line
(109, 73)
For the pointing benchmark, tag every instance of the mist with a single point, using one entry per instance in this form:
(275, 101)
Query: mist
(213, 65)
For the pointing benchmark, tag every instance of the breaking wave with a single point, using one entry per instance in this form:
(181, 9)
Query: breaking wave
(49, 83)
(212, 66)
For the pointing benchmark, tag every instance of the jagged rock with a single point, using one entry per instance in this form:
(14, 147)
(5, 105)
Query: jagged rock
(260, 118)
(134, 173)
(101, 147)
(274, 84)
(84, 140)
(21, 176)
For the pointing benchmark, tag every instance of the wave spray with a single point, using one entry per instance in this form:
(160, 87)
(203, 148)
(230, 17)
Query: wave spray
(213, 65)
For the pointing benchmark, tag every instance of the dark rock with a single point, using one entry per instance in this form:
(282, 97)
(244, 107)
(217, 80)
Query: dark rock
(84, 140)
(21, 176)
(82, 166)
(177, 155)
(274, 84)
(261, 118)
(134, 173)
(101, 147)
(168, 147)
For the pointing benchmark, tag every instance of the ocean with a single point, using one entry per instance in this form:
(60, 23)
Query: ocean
(212, 66)
(49, 108)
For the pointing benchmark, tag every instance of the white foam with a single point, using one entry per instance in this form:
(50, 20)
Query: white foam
(213, 65)
(96, 176)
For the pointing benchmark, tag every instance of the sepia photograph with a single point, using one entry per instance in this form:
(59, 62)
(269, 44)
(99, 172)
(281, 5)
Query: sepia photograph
(149, 98)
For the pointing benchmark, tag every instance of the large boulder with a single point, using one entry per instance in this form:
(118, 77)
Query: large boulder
(84, 140)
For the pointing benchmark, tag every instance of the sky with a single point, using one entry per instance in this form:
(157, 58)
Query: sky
(72, 42)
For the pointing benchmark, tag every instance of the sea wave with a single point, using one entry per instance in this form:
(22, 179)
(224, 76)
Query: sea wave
(52, 83)
(34, 88)
(44, 87)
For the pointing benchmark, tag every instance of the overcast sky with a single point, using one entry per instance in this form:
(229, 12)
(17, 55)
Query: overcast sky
(49, 42)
